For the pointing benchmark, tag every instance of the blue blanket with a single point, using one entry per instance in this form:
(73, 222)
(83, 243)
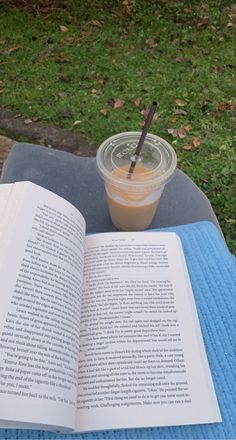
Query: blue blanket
(212, 271)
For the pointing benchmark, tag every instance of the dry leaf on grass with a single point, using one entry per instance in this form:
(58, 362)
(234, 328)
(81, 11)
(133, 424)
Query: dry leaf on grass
(178, 60)
(11, 50)
(187, 147)
(62, 59)
(150, 42)
(118, 103)
(180, 111)
(101, 81)
(180, 103)
(137, 102)
(203, 22)
(227, 106)
(76, 123)
(194, 146)
(196, 142)
(63, 28)
(104, 111)
(61, 94)
(93, 23)
(144, 112)
(177, 132)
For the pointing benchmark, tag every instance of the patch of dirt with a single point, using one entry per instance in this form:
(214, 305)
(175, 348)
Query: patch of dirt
(5, 146)
(16, 126)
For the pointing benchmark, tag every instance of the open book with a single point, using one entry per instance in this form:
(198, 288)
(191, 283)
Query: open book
(96, 332)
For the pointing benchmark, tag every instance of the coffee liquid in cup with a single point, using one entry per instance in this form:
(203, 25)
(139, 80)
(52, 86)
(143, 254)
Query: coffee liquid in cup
(128, 210)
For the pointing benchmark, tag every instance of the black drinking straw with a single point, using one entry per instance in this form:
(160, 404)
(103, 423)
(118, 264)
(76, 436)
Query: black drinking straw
(142, 138)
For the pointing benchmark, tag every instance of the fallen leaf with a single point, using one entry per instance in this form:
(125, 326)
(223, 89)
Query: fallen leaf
(144, 112)
(118, 103)
(101, 81)
(196, 142)
(18, 115)
(203, 22)
(94, 23)
(94, 91)
(63, 28)
(181, 133)
(227, 106)
(137, 102)
(180, 111)
(229, 24)
(150, 42)
(187, 147)
(205, 181)
(76, 123)
(180, 103)
(178, 60)
(11, 50)
(61, 94)
(35, 119)
(62, 59)
(173, 131)
(177, 132)
(104, 111)
(28, 121)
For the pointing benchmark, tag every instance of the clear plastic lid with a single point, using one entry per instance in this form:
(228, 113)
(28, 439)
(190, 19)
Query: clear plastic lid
(116, 153)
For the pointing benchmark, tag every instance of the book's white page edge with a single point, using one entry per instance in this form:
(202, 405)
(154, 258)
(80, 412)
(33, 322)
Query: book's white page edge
(5, 191)
(34, 426)
(13, 195)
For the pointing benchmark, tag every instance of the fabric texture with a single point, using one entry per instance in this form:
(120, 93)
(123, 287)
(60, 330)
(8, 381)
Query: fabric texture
(212, 271)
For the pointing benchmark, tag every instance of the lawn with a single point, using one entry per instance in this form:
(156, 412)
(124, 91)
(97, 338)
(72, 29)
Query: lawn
(95, 67)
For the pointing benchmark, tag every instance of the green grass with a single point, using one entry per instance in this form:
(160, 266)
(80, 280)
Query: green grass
(163, 50)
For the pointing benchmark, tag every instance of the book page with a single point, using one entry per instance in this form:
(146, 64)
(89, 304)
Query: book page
(142, 360)
(5, 191)
(41, 266)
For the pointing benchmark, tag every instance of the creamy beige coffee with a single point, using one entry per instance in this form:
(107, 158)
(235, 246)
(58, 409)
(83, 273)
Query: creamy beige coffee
(131, 211)
(133, 201)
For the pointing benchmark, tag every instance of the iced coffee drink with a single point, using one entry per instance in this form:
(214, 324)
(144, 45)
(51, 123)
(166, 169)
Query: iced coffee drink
(133, 199)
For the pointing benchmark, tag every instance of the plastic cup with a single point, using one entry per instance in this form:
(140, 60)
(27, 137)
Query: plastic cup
(133, 201)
